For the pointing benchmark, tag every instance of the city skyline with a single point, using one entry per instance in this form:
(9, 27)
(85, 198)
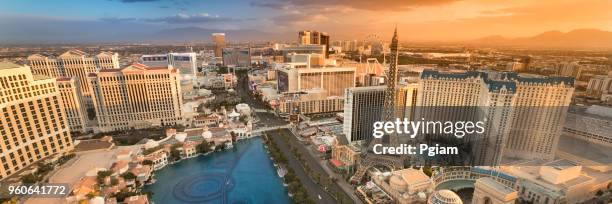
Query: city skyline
(422, 21)
(185, 101)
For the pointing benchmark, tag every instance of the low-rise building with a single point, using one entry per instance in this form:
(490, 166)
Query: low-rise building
(242, 132)
(188, 149)
(137, 199)
(207, 120)
(119, 167)
(489, 191)
(217, 135)
(159, 159)
(344, 155)
(84, 186)
(142, 173)
(559, 181)
(406, 185)
(593, 124)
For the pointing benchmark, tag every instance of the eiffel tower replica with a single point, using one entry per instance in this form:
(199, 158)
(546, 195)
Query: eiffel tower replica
(369, 159)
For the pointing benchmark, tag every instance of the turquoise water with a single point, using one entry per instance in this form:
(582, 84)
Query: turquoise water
(243, 174)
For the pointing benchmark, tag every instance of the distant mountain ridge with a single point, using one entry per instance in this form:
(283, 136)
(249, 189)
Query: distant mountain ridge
(580, 38)
(203, 35)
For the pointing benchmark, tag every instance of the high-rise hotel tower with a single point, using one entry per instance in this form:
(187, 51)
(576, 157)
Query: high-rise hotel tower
(136, 97)
(33, 123)
(74, 63)
(524, 114)
(540, 108)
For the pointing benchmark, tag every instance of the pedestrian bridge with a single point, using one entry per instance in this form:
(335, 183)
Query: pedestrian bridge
(258, 110)
(259, 131)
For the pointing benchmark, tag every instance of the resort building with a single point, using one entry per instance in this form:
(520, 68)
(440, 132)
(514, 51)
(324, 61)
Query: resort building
(362, 107)
(33, 124)
(159, 159)
(142, 173)
(540, 107)
(242, 131)
(137, 199)
(188, 149)
(302, 49)
(469, 96)
(592, 124)
(344, 156)
(185, 63)
(237, 57)
(310, 104)
(45, 65)
(207, 120)
(405, 186)
(311, 60)
(136, 97)
(74, 63)
(599, 85)
(523, 113)
(216, 135)
(74, 104)
(489, 191)
(107, 60)
(365, 71)
(219, 43)
(448, 177)
(312, 37)
(155, 60)
(83, 187)
(559, 181)
(333, 80)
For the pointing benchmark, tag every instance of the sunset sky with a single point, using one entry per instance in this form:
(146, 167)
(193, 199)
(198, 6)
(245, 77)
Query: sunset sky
(417, 20)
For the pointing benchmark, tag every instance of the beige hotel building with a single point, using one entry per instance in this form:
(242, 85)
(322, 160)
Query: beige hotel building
(74, 63)
(74, 103)
(136, 97)
(33, 124)
(525, 114)
(334, 80)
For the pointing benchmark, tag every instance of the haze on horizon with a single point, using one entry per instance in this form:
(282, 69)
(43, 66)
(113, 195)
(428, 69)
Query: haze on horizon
(417, 20)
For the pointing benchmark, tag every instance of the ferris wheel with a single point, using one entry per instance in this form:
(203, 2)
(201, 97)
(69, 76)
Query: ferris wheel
(373, 39)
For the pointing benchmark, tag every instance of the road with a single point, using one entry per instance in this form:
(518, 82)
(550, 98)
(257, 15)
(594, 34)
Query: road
(313, 189)
(348, 188)
(270, 119)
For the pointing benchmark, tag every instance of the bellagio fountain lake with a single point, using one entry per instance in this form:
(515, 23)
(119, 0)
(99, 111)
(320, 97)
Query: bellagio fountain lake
(242, 174)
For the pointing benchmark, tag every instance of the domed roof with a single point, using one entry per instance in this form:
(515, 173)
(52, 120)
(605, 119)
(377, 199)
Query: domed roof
(397, 182)
(207, 134)
(445, 197)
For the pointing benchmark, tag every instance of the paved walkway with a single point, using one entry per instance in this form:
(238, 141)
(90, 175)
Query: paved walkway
(313, 189)
(346, 187)
(315, 165)
(258, 110)
(73, 171)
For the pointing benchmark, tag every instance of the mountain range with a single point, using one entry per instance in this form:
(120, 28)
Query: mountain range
(580, 38)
